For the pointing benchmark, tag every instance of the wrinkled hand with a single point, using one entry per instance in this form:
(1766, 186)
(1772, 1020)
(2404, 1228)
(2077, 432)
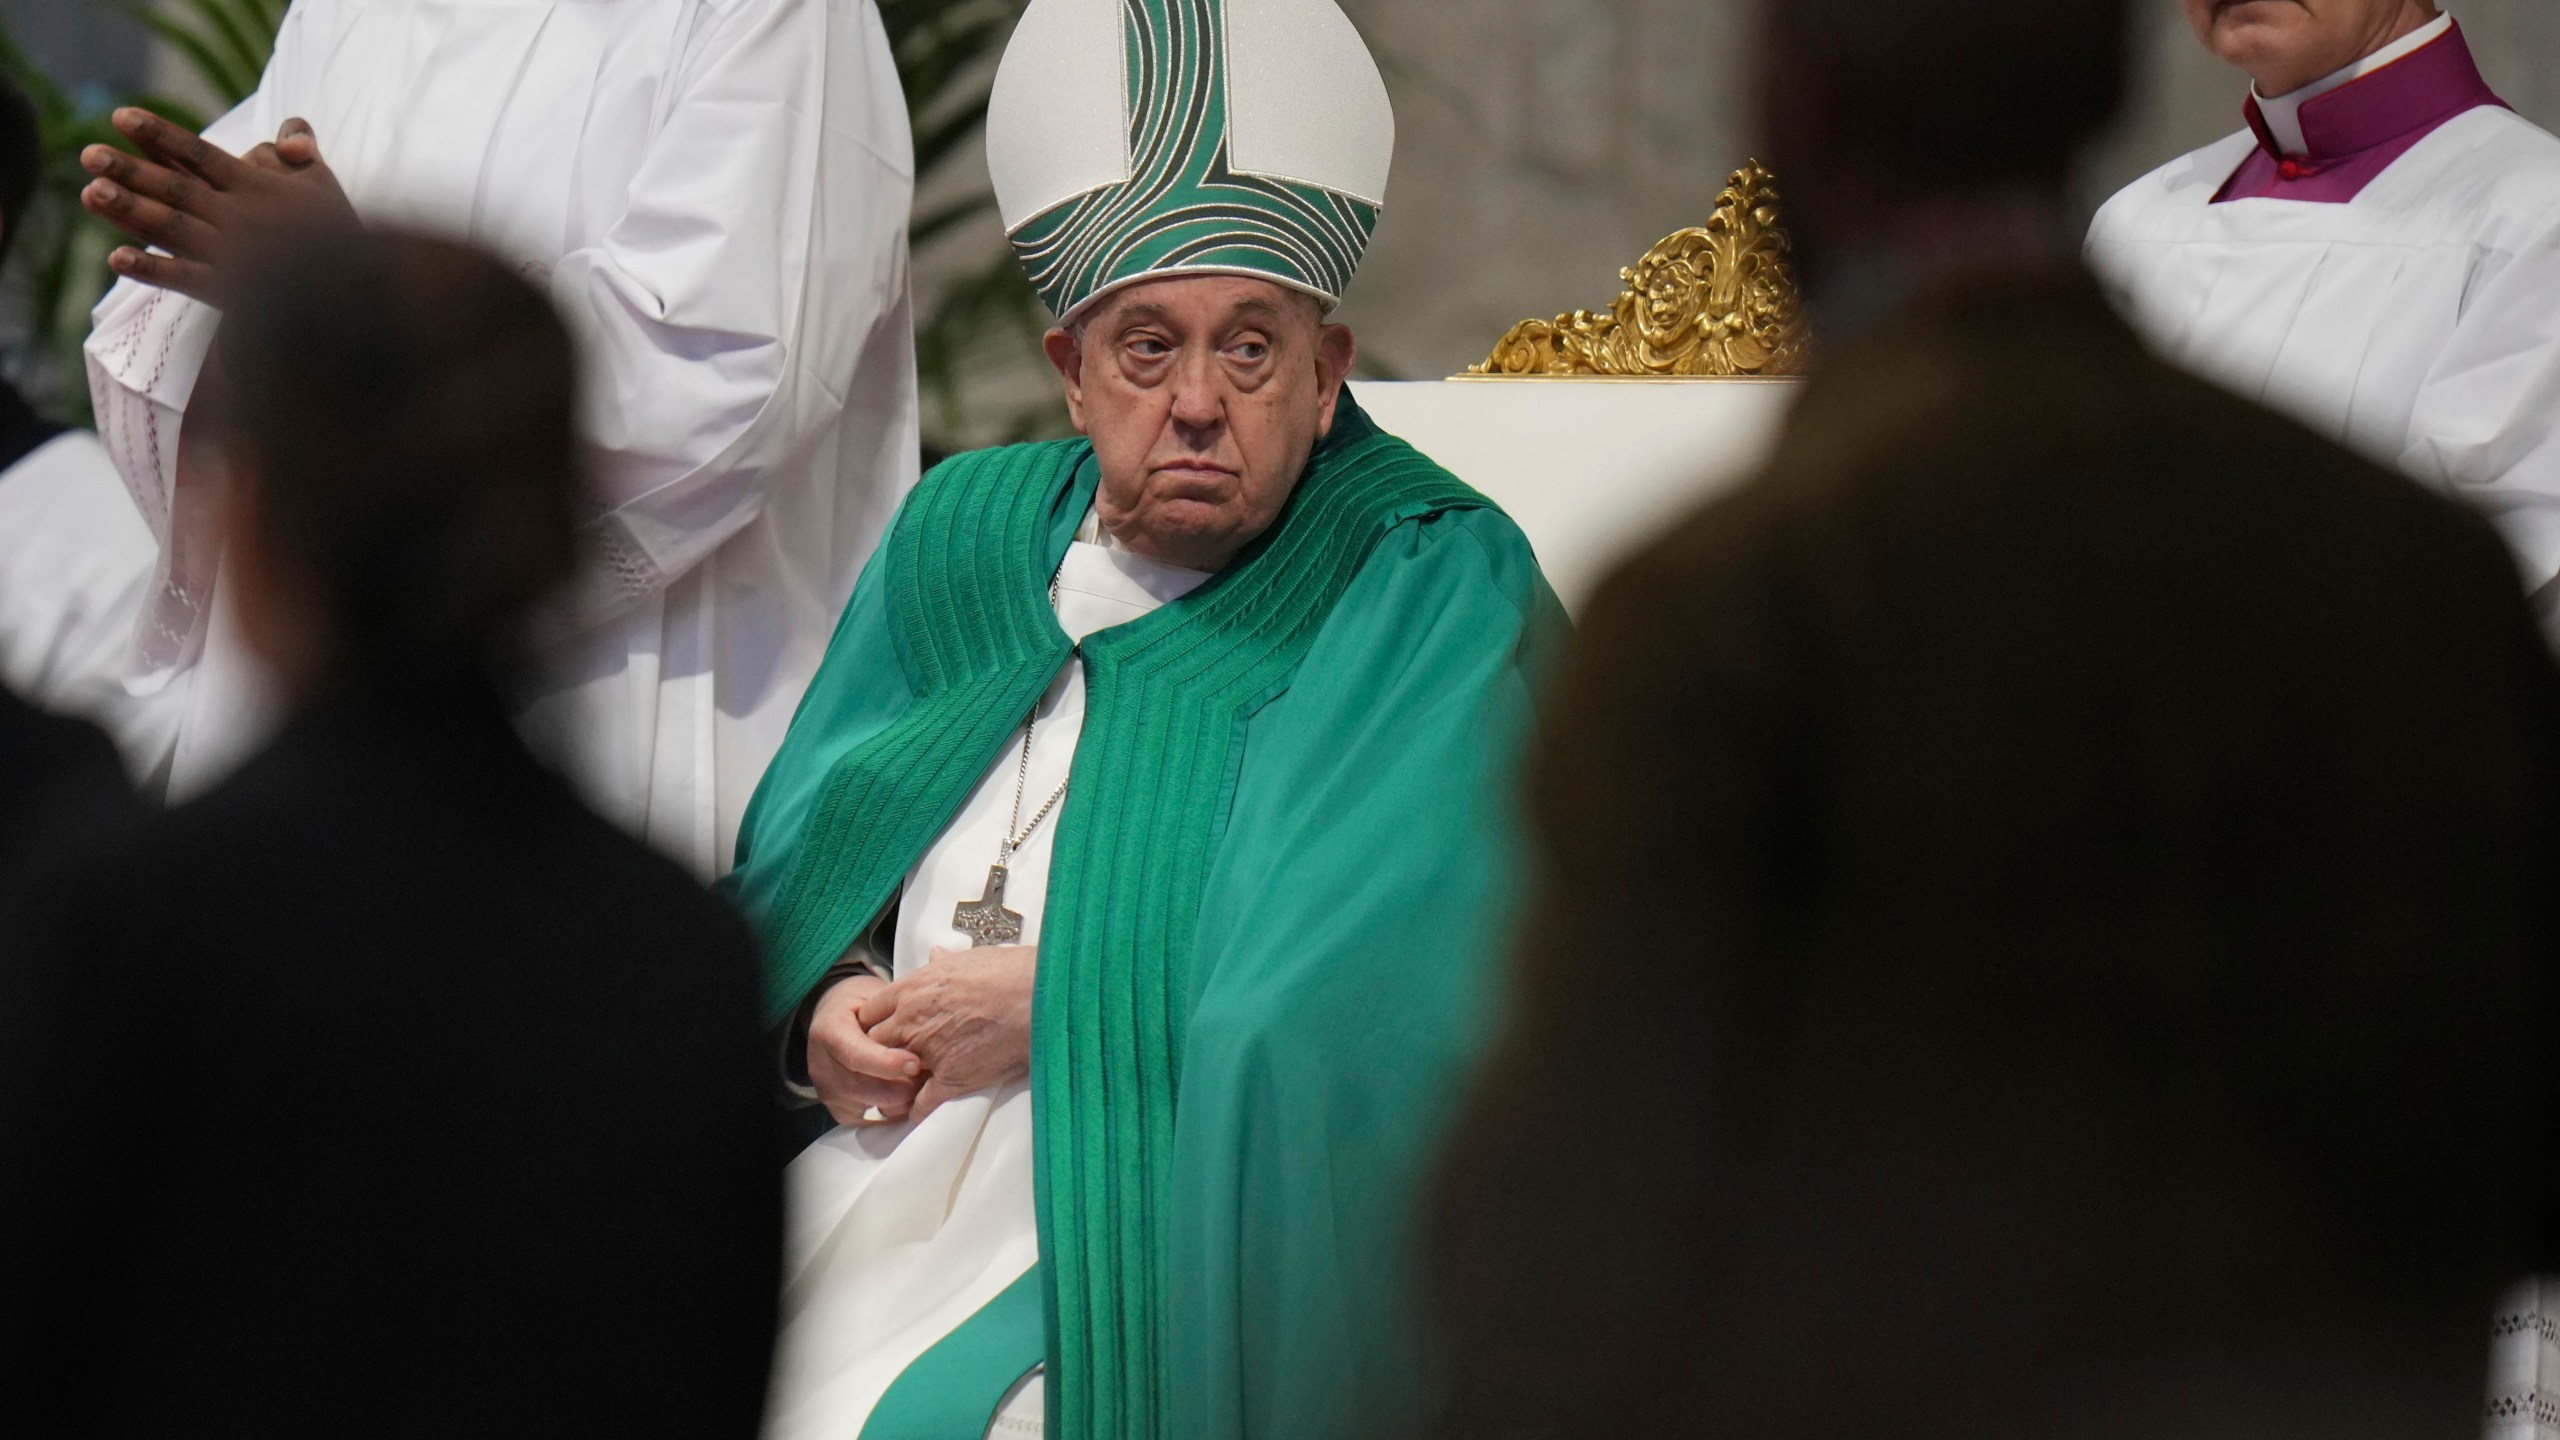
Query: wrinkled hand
(202, 204)
(966, 1015)
(854, 1072)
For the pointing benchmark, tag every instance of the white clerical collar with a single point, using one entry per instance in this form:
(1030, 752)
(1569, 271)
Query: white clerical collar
(1101, 583)
(2283, 113)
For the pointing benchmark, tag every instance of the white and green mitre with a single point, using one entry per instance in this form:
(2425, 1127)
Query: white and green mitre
(1130, 139)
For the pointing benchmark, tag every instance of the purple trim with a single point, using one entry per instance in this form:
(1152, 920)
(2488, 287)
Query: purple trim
(2357, 130)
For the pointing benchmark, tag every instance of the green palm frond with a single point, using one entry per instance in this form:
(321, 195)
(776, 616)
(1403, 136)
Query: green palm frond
(979, 334)
(227, 42)
(931, 225)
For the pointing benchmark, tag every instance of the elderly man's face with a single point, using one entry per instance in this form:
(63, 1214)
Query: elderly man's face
(1204, 396)
(2286, 44)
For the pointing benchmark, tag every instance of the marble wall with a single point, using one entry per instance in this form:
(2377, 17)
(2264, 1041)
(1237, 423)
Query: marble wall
(1546, 143)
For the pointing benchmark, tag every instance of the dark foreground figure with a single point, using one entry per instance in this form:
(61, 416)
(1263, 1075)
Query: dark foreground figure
(2045, 898)
(386, 1092)
(58, 779)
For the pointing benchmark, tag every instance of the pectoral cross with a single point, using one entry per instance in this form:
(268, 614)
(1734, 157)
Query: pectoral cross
(985, 920)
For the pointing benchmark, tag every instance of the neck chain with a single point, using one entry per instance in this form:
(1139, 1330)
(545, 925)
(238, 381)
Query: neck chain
(985, 920)
(1014, 841)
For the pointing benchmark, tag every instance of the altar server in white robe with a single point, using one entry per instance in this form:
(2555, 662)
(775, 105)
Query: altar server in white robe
(715, 193)
(2376, 253)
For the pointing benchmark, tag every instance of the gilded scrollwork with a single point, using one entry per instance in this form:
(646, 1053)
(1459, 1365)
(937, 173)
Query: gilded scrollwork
(1718, 301)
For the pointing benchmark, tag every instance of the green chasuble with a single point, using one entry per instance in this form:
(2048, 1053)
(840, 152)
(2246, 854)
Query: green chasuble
(1273, 934)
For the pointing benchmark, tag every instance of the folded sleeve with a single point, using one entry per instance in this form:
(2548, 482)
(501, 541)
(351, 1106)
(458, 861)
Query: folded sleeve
(145, 349)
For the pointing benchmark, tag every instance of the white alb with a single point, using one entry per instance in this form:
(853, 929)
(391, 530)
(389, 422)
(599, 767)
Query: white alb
(2418, 323)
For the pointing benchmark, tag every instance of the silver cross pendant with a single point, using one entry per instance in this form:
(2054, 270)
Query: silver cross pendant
(985, 920)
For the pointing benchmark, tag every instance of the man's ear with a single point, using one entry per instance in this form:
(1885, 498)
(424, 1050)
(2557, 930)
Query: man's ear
(1066, 352)
(1336, 351)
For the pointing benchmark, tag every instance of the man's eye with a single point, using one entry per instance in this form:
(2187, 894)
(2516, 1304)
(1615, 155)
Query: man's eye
(1250, 352)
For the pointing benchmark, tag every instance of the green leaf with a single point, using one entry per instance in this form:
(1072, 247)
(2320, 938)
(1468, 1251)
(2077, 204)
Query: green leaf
(52, 104)
(210, 63)
(988, 321)
(241, 33)
(927, 228)
(938, 143)
(57, 260)
(269, 15)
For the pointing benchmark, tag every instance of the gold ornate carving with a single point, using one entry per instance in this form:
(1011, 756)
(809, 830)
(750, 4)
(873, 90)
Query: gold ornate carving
(1714, 302)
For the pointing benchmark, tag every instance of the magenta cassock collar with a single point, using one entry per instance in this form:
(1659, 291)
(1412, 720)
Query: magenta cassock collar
(2356, 131)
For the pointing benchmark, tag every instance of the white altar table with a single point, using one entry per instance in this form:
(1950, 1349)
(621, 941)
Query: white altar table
(1592, 469)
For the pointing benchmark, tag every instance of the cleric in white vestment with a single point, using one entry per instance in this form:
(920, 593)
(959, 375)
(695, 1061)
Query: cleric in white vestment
(2377, 254)
(716, 197)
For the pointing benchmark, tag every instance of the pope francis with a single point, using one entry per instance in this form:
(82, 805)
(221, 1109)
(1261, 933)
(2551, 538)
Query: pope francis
(1140, 1044)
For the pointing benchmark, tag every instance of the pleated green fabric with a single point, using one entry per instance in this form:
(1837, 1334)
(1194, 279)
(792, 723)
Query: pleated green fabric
(1166, 698)
(967, 565)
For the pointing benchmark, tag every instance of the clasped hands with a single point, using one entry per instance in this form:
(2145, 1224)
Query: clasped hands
(200, 204)
(959, 1024)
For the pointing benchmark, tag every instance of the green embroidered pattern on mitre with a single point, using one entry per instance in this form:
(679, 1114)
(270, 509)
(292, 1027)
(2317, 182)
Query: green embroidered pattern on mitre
(1245, 137)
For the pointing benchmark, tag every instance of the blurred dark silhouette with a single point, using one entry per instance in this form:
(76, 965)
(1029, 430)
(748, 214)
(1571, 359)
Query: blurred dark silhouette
(22, 430)
(1882, 115)
(385, 1091)
(59, 781)
(57, 776)
(2044, 900)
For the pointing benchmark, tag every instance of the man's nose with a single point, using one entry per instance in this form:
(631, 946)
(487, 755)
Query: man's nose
(1198, 399)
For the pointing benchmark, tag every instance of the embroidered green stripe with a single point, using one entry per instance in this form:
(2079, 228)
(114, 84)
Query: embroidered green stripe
(1165, 700)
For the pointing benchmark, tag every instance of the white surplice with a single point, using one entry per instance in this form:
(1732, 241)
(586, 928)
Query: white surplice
(2418, 323)
(899, 1233)
(715, 193)
(75, 569)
